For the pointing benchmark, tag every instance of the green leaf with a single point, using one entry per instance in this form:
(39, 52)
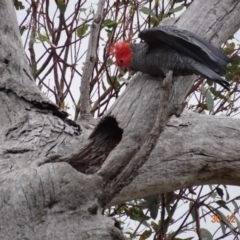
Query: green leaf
(226, 221)
(153, 210)
(222, 204)
(82, 10)
(177, 9)
(206, 235)
(18, 5)
(82, 30)
(238, 223)
(145, 10)
(210, 83)
(109, 23)
(148, 11)
(193, 213)
(22, 29)
(230, 47)
(209, 101)
(138, 215)
(209, 98)
(152, 204)
(112, 81)
(155, 226)
(220, 192)
(168, 209)
(131, 235)
(229, 76)
(43, 38)
(236, 208)
(223, 227)
(204, 217)
(122, 79)
(235, 61)
(103, 86)
(213, 195)
(153, 15)
(227, 195)
(62, 6)
(217, 93)
(146, 234)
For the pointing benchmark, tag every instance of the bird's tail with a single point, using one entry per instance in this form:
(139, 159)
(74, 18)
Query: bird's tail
(207, 72)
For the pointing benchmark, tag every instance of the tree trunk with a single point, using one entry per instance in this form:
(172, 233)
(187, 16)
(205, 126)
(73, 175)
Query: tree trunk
(56, 175)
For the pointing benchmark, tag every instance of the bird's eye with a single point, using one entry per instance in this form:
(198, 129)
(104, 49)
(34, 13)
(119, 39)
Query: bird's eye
(121, 61)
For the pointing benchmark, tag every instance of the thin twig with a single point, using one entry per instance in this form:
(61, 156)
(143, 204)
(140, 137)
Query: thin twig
(32, 38)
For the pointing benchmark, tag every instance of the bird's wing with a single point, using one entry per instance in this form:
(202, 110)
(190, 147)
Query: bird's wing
(188, 44)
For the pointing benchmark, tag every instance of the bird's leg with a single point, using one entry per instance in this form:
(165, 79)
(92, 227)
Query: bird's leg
(168, 80)
(177, 108)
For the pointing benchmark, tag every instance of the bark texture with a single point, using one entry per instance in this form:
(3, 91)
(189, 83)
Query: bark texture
(61, 199)
(193, 150)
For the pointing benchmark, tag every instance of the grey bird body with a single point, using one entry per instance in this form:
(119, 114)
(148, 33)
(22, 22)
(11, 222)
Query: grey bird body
(159, 60)
(169, 48)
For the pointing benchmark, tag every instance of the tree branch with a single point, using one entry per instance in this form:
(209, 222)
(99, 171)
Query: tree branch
(83, 106)
(63, 200)
(193, 149)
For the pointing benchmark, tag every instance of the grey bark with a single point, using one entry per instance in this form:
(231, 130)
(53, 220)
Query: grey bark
(194, 149)
(42, 200)
(83, 106)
